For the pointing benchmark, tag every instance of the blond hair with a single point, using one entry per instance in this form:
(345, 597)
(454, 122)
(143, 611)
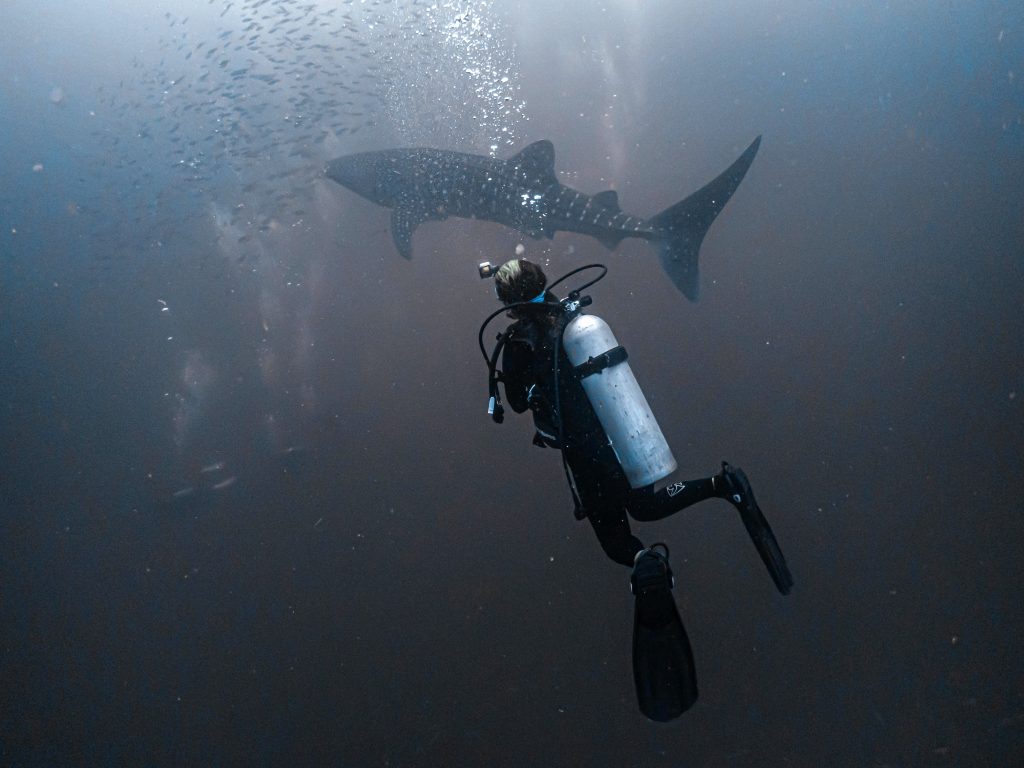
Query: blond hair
(519, 280)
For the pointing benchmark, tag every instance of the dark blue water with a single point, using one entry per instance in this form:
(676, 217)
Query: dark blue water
(253, 511)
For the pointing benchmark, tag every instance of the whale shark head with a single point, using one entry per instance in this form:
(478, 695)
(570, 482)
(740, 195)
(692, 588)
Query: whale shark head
(359, 173)
(390, 177)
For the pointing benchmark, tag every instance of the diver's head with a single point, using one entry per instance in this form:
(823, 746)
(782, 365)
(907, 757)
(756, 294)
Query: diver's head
(520, 280)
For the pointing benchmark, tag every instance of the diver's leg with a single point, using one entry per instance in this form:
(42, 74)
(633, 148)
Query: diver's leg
(601, 492)
(646, 504)
(612, 528)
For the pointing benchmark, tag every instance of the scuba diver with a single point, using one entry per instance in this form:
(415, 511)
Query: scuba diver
(568, 370)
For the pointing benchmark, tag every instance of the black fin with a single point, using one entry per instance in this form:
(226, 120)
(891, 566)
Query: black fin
(663, 667)
(741, 495)
(685, 224)
(535, 164)
(609, 199)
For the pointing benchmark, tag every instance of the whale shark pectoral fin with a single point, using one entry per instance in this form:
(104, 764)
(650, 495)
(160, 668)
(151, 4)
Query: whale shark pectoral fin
(403, 222)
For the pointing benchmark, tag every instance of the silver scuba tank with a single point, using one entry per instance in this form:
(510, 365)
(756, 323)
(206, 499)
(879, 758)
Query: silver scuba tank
(621, 406)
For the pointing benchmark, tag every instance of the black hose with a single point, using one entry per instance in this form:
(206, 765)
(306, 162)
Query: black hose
(602, 267)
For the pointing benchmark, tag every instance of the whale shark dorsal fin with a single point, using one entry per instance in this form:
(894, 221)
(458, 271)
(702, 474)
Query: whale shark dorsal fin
(609, 199)
(536, 162)
(403, 221)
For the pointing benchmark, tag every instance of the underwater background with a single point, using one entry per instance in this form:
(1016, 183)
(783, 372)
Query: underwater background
(252, 509)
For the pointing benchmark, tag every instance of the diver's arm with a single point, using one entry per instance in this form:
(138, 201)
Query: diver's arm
(515, 364)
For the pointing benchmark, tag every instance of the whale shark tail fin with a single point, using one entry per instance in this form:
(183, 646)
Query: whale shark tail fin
(683, 226)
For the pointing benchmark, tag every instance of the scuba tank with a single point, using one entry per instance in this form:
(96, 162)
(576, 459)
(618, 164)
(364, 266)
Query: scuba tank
(617, 399)
(608, 383)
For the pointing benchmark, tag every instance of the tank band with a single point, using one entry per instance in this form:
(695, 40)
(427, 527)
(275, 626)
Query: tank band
(613, 356)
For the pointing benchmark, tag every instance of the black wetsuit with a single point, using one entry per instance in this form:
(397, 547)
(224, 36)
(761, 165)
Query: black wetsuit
(528, 373)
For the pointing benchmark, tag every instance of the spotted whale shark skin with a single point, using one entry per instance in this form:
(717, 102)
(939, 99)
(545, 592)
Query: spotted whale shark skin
(524, 193)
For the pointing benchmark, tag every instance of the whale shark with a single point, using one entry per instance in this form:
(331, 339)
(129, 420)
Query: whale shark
(523, 192)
